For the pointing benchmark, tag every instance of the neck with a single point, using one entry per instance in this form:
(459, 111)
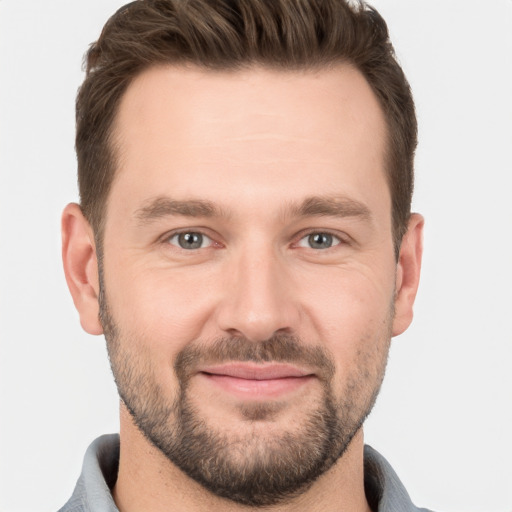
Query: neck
(147, 480)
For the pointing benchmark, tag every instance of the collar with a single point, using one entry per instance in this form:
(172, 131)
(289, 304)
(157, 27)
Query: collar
(384, 491)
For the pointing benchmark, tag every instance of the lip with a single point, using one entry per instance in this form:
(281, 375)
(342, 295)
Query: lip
(252, 371)
(249, 380)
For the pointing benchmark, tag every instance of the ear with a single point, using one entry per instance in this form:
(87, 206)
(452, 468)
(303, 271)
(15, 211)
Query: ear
(408, 274)
(81, 266)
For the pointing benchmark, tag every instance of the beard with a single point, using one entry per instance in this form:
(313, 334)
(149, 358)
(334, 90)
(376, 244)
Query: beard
(258, 465)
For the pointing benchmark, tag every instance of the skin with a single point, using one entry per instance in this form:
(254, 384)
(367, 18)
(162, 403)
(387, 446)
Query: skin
(255, 144)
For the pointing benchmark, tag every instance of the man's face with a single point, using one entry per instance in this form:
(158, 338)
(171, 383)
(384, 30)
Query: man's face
(248, 277)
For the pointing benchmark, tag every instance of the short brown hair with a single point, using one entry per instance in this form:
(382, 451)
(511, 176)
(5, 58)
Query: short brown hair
(231, 34)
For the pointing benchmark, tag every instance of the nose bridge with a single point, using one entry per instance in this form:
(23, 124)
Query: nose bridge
(257, 301)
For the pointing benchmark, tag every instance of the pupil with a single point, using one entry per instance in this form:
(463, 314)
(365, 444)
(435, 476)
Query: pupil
(320, 240)
(190, 240)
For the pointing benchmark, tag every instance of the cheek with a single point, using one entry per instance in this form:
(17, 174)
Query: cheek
(351, 314)
(164, 308)
(350, 299)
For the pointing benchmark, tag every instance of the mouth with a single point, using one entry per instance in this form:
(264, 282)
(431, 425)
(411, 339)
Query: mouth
(253, 381)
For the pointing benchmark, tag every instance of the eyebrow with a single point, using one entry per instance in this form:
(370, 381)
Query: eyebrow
(162, 206)
(327, 206)
(314, 206)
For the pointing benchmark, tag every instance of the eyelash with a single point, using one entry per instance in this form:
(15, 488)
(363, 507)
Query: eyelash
(335, 236)
(337, 239)
(167, 239)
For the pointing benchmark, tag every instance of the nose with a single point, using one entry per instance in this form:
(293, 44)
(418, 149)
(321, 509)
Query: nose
(258, 300)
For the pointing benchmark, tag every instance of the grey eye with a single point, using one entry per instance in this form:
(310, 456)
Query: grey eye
(189, 240)
(319, 241)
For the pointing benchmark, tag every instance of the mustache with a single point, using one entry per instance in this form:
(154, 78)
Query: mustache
(280, 348)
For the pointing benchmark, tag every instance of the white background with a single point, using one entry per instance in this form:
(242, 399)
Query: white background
(444, 417)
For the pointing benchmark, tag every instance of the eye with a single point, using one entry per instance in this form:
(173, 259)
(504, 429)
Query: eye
(319, 240)
(189, 240)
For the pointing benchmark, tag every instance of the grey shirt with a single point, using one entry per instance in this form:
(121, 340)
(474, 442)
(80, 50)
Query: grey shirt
(384, 491)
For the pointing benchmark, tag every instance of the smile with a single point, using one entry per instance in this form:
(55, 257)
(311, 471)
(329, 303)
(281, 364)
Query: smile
(253, 381)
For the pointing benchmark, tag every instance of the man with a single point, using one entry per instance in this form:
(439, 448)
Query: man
(245, 243)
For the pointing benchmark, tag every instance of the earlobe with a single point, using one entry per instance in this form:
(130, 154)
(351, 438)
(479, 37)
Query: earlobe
(81, 266)
(408, 274)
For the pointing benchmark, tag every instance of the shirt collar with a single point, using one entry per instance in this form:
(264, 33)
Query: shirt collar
(385, 492)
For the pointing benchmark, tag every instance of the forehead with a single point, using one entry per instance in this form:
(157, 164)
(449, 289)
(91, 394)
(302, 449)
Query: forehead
(185, 130)
(255, 97)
